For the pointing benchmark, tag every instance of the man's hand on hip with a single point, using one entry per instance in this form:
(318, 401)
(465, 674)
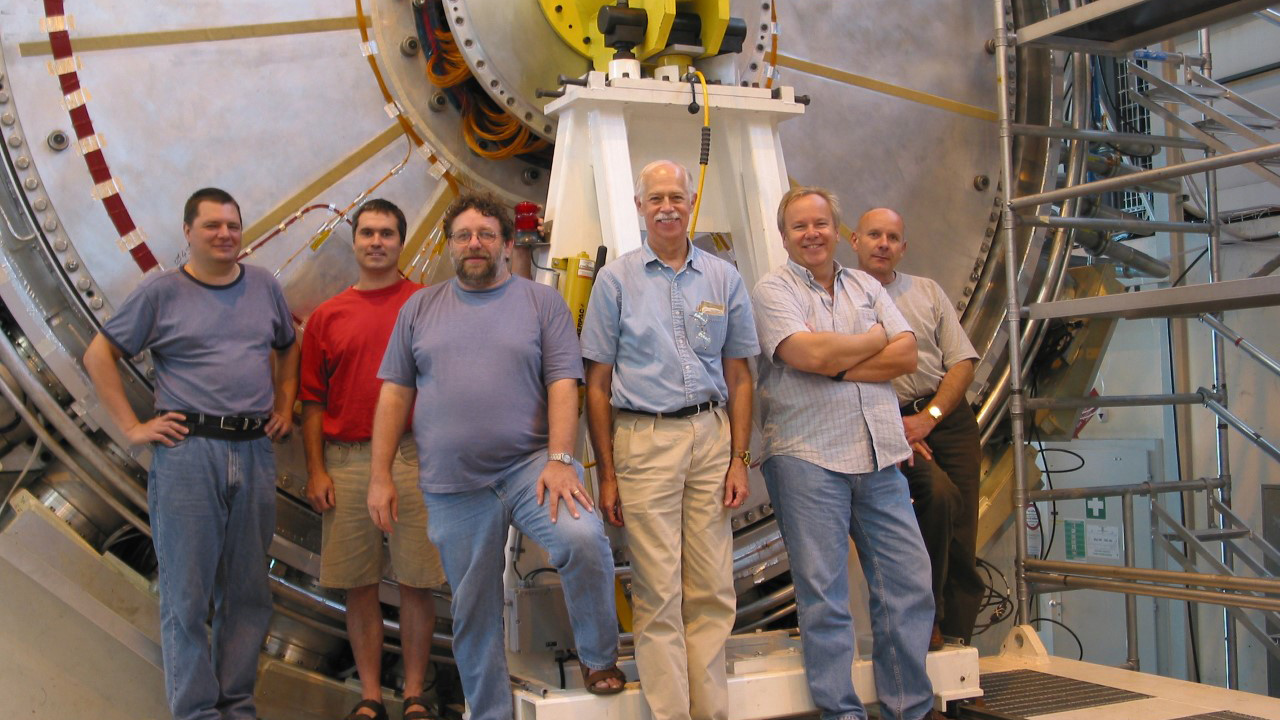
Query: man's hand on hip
(165, 429)
(560, 482)
(278, 426)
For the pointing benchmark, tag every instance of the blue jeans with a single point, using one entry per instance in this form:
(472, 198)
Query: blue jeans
(213, 511)
(470, 529)
(815, 509)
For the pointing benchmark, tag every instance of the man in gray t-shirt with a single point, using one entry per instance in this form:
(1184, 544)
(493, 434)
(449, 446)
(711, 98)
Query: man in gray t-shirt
(213, 327)
(495, 365)
(943, 472)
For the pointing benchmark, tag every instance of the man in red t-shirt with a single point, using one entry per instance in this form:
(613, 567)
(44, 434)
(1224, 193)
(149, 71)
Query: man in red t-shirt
(343, 343)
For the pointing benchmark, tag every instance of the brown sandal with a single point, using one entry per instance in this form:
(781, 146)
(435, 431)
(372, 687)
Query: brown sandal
(424, 714)
(379, 711)
(590, 680)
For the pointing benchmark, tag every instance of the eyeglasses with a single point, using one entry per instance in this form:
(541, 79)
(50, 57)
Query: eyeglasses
(461, 237)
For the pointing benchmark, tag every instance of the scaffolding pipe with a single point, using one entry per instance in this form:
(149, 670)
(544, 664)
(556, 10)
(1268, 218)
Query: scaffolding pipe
(1147, 488)
(1097, 401)
(1103, 136)
(1239, 341)
(1229, 418)
(1130, 602)
(1013, 319)
(1192, 167)
(1219, 368)
(1108, 225)
(1225, 583)
(1109, 165)
(1071, 582)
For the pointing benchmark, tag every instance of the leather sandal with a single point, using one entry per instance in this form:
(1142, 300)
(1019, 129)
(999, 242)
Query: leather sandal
(379, 711)
(590, 680)
(424, 714)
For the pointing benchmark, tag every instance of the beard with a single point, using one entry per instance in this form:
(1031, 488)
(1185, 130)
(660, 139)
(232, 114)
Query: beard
(476, 276)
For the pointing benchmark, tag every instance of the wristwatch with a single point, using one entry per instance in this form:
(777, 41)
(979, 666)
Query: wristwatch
(565, 458)
(935, 412)
(745, 457)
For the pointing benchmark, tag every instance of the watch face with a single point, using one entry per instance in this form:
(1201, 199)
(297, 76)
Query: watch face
(935, 412)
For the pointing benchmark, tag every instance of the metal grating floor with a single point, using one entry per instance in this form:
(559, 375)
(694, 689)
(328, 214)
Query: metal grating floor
(1023, 693)
(1220, 715)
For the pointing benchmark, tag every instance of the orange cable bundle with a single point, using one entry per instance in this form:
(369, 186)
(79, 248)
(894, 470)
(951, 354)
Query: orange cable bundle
(447, 68)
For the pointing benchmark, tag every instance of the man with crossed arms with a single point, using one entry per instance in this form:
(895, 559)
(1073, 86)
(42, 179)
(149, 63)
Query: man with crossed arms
(832, 339)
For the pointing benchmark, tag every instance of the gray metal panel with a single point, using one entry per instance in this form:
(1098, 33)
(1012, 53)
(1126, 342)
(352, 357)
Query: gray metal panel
(1117, 26)
(1024, 693)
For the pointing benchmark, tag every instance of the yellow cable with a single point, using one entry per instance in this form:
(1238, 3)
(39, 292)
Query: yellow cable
(702, 170)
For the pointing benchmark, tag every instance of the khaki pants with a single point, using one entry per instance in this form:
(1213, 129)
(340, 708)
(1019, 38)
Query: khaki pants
(671, 484)
(352, 553)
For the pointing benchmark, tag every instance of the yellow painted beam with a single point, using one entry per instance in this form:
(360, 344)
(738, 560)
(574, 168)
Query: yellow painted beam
(340, 170)
(879, 86)
(158, 38)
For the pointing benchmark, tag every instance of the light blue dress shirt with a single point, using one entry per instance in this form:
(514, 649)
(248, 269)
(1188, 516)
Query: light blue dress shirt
(664, 331)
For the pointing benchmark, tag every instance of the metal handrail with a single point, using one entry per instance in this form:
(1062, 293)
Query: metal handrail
(1146, 488)
(1270, 586)
(1252, 602)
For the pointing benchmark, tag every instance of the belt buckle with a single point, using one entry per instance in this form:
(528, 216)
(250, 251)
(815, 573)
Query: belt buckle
(222, 424)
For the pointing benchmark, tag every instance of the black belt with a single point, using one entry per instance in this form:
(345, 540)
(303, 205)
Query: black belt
(915, 406)
(230, 427)
(681, 413)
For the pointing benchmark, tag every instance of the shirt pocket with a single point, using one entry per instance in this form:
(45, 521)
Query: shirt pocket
(706, 332)
(866, 317)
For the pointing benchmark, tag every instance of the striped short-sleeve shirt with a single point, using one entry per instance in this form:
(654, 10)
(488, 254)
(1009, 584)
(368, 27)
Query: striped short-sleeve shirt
(847, 427)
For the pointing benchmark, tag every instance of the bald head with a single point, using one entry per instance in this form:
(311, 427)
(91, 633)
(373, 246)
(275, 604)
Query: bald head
(880, 243)
(663, 168)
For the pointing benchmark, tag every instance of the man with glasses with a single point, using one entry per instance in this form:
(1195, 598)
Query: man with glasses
(490, 365)
(666, 337)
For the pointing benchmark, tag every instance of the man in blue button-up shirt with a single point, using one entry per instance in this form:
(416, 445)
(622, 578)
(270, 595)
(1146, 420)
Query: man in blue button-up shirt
(667, 335)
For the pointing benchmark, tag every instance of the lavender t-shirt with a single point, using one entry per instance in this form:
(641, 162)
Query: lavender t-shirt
(481, 362)
(211, 344)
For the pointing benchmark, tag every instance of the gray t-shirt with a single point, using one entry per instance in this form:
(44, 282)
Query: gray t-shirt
(939, 337)
(481, 363)
(211, 344)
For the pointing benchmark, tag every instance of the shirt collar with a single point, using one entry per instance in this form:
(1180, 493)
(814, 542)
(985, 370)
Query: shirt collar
(806, 276)
(691, 261)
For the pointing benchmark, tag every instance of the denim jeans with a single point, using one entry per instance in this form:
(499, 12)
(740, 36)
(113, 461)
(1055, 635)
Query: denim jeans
(815, 508)
(470, 529)
(212, 505)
